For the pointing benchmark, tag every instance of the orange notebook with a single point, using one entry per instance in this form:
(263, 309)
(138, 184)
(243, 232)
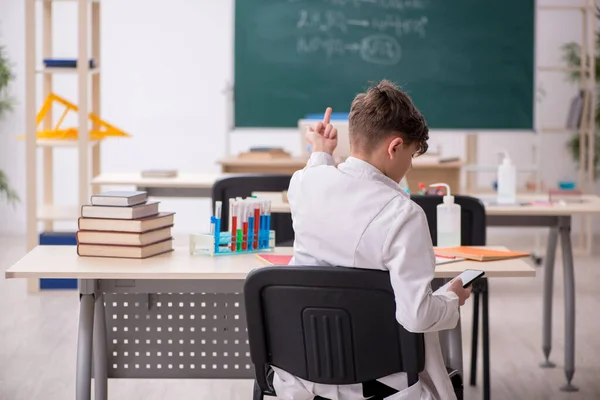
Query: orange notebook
(477, 254)
(274, 259)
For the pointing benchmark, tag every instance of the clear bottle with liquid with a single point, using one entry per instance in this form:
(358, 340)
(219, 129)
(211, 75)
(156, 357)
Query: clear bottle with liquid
(448, 220)
(507, 181)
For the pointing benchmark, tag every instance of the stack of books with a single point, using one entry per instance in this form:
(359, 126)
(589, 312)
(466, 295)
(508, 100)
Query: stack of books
(124, 224)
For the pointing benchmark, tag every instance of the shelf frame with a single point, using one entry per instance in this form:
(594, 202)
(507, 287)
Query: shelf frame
(88, 99)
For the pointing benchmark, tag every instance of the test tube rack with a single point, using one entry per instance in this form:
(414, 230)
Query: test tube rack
(206, 244)
(248, 230)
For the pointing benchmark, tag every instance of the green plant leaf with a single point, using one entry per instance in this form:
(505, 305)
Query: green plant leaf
(6, 75)
(6, 191)
(571, 55)
(6, 104)
(574, 144)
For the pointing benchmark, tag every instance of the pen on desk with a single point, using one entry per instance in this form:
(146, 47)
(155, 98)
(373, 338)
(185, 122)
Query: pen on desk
(257, 223)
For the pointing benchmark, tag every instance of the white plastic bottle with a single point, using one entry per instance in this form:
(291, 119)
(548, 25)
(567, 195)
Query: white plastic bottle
(448, 220)
(507, 181)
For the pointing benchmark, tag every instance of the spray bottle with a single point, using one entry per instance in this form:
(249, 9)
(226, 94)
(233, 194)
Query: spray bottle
(507, 181)
(448, 220)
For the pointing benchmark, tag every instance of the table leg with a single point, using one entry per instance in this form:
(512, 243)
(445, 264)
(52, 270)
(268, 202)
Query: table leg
(569, 278)
(100, 352)
(83, 383)
(548, 286)
(474, 339)
(486, 342)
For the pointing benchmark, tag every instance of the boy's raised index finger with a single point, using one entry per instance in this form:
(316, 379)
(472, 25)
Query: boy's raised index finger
(327, 116)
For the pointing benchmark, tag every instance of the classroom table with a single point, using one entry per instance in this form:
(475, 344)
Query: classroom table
(532, 212)
(200, 184)
(183, 185)
(426, 170)
(177, 315)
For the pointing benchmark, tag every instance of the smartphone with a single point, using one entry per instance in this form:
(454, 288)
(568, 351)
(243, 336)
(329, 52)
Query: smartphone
(468, 277)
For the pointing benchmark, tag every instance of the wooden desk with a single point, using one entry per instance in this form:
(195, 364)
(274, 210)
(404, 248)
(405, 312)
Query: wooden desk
(423, 169)
(63, 262)
(184, 185)
(251, 166)
(173, 315)
(590, 205)
(558, 219)
(200, 184)
(434, 172)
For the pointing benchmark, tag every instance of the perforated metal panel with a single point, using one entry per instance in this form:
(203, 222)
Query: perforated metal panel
(197, 335)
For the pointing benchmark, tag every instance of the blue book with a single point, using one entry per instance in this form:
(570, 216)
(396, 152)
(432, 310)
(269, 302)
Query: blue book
(65, 63)
(58, 239)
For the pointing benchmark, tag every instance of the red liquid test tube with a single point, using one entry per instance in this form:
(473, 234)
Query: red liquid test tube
(256, 224)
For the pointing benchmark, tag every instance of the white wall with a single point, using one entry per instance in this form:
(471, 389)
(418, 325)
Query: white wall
(165, 66)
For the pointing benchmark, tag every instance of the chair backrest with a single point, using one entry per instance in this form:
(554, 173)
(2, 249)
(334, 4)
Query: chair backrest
(330, 325)
(473, 220)
(243, 186)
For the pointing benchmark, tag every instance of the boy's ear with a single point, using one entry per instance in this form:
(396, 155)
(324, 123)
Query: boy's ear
(394, 146)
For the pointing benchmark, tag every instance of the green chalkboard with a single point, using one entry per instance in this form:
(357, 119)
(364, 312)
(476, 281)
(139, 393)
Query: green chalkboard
(467, 64)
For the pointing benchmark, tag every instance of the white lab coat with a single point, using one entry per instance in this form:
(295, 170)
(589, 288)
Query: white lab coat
(355, 216)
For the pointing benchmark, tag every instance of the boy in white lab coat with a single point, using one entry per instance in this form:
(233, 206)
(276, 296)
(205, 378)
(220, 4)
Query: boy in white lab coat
(357, 215)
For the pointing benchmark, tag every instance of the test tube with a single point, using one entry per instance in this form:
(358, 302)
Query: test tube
(233, 225)
(257, 223)
(263, 223)
(217, 225)
(268, 221)
(230, 215)
(240, 219)
(245, 225)
(251, 223)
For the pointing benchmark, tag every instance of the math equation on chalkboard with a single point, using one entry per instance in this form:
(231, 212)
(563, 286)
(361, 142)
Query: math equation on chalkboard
(346, 29)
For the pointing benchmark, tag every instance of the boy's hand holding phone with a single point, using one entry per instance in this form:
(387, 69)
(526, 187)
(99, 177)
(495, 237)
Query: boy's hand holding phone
(463, 294)
(323, 137)
(461, 285)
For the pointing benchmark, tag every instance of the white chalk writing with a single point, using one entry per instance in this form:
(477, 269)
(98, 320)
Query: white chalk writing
(385, 4)
(400, 25)
(376, 49)
(325, 21)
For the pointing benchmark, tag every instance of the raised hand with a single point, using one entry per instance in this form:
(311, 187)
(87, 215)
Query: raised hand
(323, 137)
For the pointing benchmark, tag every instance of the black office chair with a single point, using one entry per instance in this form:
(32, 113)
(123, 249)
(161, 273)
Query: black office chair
(473, 233)
(329, 325)
(243, 186)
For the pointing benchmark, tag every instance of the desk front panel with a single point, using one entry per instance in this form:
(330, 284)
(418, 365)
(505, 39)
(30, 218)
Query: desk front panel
(165, 330)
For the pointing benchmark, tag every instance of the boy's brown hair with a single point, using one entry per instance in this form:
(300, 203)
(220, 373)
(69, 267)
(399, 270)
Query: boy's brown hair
(384, 111)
